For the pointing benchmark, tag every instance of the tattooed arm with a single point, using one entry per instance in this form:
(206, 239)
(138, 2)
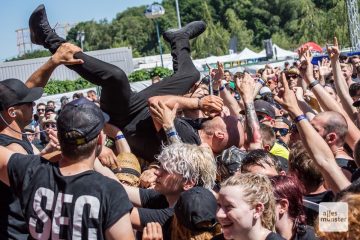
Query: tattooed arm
(246, 89)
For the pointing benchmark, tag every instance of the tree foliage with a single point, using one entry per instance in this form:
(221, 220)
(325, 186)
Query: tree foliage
(288, 22)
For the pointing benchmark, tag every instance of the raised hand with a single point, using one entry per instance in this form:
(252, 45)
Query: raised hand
(333, 51)
(306, 68)
(217, 75)
(324, 67)
(246, 87)
(288, 100)
(65, 55)
(163, 114)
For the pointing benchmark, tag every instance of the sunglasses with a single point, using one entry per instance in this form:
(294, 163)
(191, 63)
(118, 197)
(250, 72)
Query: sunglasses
(283, 131)
(50, 125)
(41, 109)
(292, 76)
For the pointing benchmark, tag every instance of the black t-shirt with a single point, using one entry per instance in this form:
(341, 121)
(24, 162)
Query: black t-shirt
(81, 206)
(347, 164)
(155, 208)
(12, 221)
(312, 210)
(146, 142)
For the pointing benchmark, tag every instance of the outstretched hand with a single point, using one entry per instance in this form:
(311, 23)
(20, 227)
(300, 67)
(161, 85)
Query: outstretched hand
(324, 67)
(333, 51)
(163, 114)
(288, 100)
(246, 87)
(217, 75)
(306, 67)
(65, 55)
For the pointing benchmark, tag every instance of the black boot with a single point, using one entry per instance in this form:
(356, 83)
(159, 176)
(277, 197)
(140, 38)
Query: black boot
(40, 31)
(190, 31)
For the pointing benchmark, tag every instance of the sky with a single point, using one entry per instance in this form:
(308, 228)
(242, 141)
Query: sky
(14, 14)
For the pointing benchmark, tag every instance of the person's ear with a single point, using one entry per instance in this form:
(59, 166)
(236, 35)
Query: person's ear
(11, 112)
(258, 210)
(331, 137)
(188, 185)
(284, 206)
(220, 134)
(267, 147)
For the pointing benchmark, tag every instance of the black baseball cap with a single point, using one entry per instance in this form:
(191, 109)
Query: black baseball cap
(14, 92)
(83, 117)
(264, 107)
(196, 209)
(231, 160)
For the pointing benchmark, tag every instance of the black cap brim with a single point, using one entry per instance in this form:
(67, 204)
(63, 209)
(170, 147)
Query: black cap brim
(33, 95)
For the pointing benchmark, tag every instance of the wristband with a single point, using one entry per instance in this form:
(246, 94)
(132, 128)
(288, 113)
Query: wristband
(216, 92)
(120, 136)
(313, 84)
(299, 118)
(222, 88)
(262, 82)
(171, 134)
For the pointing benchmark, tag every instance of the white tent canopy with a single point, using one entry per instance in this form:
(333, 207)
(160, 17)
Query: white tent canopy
(247, 54)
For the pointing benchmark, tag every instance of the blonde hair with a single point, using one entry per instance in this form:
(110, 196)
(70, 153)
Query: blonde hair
(192, 162)
(256, 188)
(182, 233)
(353, 220)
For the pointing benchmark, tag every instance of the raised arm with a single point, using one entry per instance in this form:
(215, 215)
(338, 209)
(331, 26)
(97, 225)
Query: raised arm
(314, 143)
(324, 98)
(63, 55)
(341, 86)
(246, 89)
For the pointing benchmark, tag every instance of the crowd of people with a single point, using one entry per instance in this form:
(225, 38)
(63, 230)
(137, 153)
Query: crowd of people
(227, 156)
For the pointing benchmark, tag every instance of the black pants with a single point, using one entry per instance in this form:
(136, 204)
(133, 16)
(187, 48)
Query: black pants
(118, 100)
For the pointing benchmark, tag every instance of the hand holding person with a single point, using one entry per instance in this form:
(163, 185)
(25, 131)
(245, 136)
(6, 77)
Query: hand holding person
(53, 144)
(152, 231)
(107, 157)
(65, 55)
(211, 105)
(163, 114)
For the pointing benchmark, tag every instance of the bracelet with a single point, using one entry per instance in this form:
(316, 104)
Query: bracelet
(299, 118)
(120, 136)
(313, 84)
(262, 82)
(171, 134)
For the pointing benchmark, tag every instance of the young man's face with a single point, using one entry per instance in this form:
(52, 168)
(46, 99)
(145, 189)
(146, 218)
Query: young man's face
(41, 110)
(168, 183)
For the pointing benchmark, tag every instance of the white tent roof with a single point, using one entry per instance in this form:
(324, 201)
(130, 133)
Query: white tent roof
(247, 54)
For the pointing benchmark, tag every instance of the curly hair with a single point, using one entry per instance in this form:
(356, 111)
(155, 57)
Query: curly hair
(192, 162)
(256, 188)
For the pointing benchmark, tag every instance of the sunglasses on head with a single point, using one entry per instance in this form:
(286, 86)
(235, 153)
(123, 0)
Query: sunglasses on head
(50, 125)
(283, 131)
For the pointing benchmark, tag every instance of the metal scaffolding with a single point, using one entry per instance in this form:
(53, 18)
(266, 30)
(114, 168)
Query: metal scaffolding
(24, 44)
(354, 24)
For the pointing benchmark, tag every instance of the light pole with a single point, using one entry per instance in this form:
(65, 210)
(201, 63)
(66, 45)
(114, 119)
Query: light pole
(152, 12)
(178, 13)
